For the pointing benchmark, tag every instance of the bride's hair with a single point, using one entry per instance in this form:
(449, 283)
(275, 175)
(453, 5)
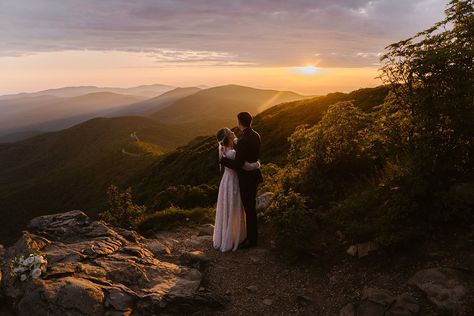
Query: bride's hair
(223, 136)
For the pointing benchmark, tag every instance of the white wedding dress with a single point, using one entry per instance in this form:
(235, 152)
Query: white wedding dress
(229, 228)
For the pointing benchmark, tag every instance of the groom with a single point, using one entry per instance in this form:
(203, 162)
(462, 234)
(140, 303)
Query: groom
(247, 149)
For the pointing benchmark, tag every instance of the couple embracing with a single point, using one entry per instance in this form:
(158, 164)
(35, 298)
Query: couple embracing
(236, 216)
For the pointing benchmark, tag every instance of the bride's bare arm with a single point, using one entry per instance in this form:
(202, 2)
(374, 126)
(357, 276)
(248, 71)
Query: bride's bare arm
(249, 166)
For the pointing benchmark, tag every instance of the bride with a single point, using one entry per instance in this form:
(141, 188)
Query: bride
(229, 228)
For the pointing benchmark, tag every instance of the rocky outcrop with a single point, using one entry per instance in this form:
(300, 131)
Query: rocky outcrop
(362, 250)
(96, 269)
(380, 302)
(442, 286)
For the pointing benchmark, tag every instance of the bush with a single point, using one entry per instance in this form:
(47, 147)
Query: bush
(174, 217)
(121, 209)
(272, 175)
(382, 214)
(185, 197)
(294, 224)
(328, 161)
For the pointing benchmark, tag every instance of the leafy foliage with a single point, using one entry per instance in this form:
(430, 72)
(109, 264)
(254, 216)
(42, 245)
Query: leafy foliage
(329, 159)
(185, 197)
(294, 223)
(121, 211)
(432, 78)
(377, 173)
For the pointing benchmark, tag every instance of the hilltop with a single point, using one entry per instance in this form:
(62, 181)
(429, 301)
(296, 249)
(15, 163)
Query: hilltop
(218, 106)
(149, 106)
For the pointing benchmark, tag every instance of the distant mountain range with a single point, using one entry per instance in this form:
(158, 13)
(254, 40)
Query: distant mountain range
(217, 107)
(58, 113)
(70, 169)
(145, 91)
(219, 103)
(149, 106)
(202, 110)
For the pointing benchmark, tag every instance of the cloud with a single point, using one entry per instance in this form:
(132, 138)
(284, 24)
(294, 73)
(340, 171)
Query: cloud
(219, 32)
(167, 57)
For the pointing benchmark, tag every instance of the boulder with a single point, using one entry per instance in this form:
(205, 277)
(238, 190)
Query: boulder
(352, 250)
(196, 259)
(267, 302)
(369, 308)
(252, 288)
(405, 305)
(206, 230)
(380, 302)
(363, 249)
(96, 269)
(443, 287)
(263, 201)
(156, 247)
(379, 296)
(348, 310)
(304, 300)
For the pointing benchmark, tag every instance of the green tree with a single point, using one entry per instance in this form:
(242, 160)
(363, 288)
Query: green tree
(326, 160)
(121, 211)
(432, 78)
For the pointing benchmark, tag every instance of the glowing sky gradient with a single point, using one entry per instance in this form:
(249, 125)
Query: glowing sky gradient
(312, 47)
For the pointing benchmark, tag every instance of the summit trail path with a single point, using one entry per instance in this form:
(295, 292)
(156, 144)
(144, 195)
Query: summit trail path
(258, 281)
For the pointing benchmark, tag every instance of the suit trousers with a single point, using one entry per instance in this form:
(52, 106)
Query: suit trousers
(248, 193)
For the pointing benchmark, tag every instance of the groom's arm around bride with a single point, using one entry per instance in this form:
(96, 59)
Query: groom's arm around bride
(247, 149)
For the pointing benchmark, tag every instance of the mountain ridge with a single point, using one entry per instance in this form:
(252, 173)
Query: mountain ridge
(72, 91)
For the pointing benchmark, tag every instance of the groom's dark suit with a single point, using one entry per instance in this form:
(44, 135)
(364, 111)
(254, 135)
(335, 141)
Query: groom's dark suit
(247, 149)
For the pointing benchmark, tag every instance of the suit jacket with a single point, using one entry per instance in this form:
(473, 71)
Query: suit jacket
(247, 149)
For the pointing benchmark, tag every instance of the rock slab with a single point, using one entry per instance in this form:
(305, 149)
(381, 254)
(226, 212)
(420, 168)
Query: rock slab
(443, 287)
(96, 269)
(380, 302)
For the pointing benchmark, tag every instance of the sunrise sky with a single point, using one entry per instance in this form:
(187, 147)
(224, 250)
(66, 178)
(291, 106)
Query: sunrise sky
(308, 46)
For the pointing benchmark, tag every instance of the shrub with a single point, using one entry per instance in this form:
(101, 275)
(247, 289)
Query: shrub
(185, 197)
(328, 161)
(382, 214)
(121, 209)
(294, 224)
(174, 217)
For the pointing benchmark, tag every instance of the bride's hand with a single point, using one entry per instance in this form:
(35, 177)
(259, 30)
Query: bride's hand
(250, 166)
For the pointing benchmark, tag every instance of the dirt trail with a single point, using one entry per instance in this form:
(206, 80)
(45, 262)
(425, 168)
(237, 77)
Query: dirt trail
(257, 281)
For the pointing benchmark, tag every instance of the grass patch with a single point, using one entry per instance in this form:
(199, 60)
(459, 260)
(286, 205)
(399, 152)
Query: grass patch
(173, 217)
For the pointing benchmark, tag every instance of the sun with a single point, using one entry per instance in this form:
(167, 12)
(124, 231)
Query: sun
(307, 70)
